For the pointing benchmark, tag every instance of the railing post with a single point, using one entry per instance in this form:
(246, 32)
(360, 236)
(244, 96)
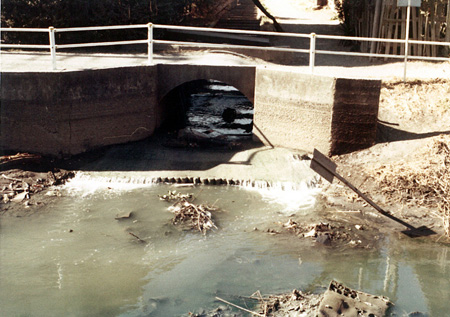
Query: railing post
(408, 15)
(150, 43)
(312, 52)
(51, 33)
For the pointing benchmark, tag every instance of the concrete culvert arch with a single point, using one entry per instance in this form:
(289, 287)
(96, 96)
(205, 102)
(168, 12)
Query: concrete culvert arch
(206, 112)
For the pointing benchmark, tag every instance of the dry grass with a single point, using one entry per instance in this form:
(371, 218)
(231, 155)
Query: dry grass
(416, 99)
(424, 182)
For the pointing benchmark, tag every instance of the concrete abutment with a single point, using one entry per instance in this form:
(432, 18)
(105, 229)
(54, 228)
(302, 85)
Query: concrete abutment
(304, 111)
(70, 112)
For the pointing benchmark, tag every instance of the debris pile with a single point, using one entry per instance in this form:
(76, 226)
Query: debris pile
(194, 216)
(327, 234)
(172, 195)
(295, 303)
(420, 183)
(338, 300)
(415, 99)
(18, 185)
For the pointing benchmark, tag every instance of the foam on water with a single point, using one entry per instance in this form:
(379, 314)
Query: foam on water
(291, 197)
(85, 184)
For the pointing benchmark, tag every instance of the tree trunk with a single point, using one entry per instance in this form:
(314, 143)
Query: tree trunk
(259, 5)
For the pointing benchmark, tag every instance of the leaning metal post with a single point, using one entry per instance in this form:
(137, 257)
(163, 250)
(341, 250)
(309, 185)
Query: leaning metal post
(150, 43)
(312, 52)
(51, 33)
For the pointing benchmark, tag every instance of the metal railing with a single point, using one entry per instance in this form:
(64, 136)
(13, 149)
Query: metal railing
(312, 51)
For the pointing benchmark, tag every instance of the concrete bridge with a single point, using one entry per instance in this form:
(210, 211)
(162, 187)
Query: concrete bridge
(63, 113)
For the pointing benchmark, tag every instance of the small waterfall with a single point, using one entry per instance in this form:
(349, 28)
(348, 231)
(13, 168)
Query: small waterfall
(291, 196)
(86, 184)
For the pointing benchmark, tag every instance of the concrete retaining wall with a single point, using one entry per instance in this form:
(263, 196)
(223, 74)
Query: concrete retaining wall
(66, 113)
(303, 111)
(355, 114)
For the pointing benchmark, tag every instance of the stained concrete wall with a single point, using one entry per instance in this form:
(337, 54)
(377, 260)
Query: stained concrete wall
(66, 113)
(355, 114)
(240, 77)
(304, 111)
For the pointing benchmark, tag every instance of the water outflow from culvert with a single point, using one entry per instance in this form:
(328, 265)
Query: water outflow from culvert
(74, 258)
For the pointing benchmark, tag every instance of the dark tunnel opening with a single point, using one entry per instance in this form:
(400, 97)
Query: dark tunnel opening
(205, 113)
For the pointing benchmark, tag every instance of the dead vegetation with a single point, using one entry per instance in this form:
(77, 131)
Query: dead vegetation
(173, 195)
(17, 186)
(186, 213)
(335, 231)
(424, 182)
(292, 304)
(413, 100)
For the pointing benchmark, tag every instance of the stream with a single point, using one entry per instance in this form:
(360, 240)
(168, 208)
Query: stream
(74, 258)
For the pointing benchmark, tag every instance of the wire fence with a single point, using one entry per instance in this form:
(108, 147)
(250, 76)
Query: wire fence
(150, 40)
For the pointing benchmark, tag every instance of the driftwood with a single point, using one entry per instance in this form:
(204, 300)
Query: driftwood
(18, 185)
(336, 301)
(194, 216)
(137, 238)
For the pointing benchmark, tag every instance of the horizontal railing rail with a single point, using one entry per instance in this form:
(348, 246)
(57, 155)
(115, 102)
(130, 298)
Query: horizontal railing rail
(312, 51)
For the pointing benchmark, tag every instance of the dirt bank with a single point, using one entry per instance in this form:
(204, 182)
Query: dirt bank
(27, 183)
(406, 172)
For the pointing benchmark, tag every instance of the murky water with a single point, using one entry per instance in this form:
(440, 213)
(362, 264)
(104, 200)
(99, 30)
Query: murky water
(75, 259)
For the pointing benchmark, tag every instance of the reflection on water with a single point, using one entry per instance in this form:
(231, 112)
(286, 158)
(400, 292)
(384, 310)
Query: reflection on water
(75, 259)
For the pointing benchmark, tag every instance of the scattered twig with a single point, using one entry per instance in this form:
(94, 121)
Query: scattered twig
(239, 307)
(174, 196)
(139, 239)
(11, 178)
(197, 216)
